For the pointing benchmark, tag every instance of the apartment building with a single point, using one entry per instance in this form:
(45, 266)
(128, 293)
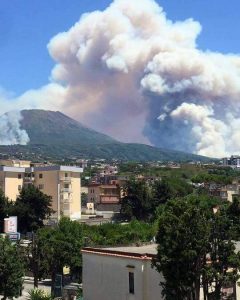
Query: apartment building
(103, 193)
(62, 183)
(233, 161)
(11, 181)
(106, 197)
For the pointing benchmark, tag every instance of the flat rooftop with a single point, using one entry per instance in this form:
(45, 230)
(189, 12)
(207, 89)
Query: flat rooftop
(146, 249)
(141, 252)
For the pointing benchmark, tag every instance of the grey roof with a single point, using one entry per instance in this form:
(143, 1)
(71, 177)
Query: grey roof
(146, 249)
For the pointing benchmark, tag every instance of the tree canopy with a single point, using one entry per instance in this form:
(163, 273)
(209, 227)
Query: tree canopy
(196, 247)
(11, 269)
(32, 207)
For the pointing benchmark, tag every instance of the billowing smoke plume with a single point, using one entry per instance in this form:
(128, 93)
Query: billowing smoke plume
(10, 131)
(132, 73)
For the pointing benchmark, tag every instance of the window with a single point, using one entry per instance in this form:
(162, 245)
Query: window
(66, 185)
(41, 186)
(66, 174)
(19, 187)
(19, 176)
(40, 175)
(131, 282)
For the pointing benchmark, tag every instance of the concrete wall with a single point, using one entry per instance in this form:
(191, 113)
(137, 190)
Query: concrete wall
(107, 278)
(49, 183)
(94, 194)
(12, 184)
(75, 205)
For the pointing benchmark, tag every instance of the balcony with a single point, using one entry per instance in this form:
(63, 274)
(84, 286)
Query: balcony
(66, 200)
(109, 199)
(29, 179)
(66, 179)
(66, 190)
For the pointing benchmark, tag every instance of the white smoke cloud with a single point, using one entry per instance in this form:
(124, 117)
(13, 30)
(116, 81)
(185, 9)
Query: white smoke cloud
(134, 74)
(10, 131)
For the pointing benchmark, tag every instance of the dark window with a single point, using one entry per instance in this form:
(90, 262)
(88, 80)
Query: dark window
(40, 175)
(66, 174)
(41, 186)
(131, 282)
(19, 187)
(19, 176)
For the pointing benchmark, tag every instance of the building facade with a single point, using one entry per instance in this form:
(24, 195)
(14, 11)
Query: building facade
(62, 183)
(233, 161)
(120, 273)
(103, 193)
(126, 273)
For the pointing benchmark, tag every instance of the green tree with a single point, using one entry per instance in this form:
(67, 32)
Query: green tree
(182, 239)
(224, 261)
(35, 257)
(169, 188)
(32, 207)
(3, 209)
(11, 269)
(137, 202)
(61, 247)
(196, 247)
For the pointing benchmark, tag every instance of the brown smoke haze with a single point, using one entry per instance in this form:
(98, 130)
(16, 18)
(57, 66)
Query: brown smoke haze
(130, 72)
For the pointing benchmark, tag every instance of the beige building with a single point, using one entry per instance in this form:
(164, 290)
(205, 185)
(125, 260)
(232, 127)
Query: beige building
(103, 193)
(11, 181)
(62, 183)
(15, 163)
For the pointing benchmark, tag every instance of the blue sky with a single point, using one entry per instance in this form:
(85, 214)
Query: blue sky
(26, 26)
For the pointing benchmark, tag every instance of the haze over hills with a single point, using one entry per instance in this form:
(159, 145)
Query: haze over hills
(55, 135)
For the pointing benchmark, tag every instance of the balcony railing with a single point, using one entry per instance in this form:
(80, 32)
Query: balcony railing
(66, 190)
(66, 201)
(29, 179)
(65, 179)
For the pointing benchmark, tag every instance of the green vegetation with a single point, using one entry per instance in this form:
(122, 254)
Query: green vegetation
(212, 178)
(38, 294)
(196, 248)
(3, 209)
(32, 207)
(11, 269)
(54, 248)
(142, 198)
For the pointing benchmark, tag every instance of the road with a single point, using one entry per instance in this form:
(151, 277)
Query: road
(28, 285)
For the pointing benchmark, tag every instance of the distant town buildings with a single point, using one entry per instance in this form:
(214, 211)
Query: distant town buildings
(106, 197)
(62, 183)
(233, 161)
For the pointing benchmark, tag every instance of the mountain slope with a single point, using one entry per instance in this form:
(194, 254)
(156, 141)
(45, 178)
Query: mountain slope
(51, 128)
(54, 135)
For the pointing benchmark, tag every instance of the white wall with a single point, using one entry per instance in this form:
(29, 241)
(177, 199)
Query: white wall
(106, 278)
